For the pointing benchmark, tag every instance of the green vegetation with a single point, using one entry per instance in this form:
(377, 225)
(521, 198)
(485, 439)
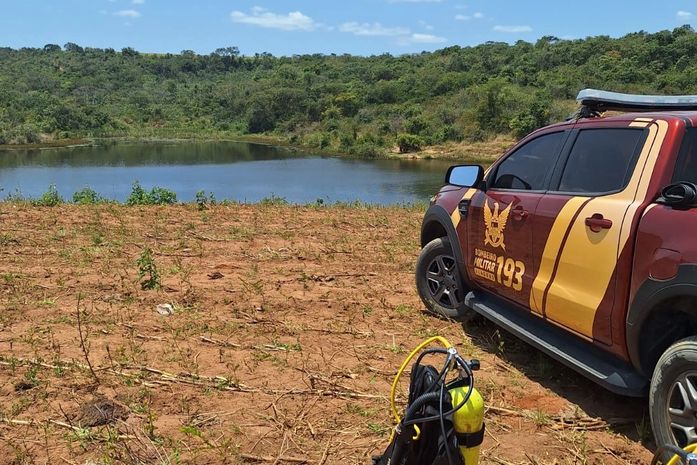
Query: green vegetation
(162, 196)
(148, 275)
(409, 143)
(50, 198)
(87, 196)
(340, 103)
(156, 196)
(203, 200)
(274, 200)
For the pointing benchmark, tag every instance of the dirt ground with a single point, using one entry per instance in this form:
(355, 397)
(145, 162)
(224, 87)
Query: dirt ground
(284, 328)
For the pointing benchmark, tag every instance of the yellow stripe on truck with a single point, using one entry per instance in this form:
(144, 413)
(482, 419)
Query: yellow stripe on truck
(658, 130)
(551, 251)
(455, 215)
(590, 258)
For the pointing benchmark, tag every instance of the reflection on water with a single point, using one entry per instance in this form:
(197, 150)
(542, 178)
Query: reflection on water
(230, 170)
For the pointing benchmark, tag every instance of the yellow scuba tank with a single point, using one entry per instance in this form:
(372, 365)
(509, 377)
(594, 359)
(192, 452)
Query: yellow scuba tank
(466, 418)
(468, 422)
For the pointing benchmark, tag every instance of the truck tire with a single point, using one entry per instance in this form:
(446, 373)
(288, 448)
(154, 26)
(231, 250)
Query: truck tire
(438, 281)
(673, 395)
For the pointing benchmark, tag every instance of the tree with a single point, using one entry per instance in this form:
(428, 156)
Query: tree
(73, 47)
(129, 52)
(52, 48)
(233, 52)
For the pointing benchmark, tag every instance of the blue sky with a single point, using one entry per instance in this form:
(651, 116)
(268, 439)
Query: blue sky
(362, 27)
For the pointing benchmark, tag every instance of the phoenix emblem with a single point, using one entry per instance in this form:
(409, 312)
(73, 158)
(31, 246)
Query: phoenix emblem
(495, 223)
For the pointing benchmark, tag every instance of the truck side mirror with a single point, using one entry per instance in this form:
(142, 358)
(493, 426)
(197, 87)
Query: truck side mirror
(465, 175)
(679, 195)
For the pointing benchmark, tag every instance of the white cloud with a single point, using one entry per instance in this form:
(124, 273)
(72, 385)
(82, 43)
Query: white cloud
(512, 29)
(128, 13)
(402, 35)
(684, 14)
(293, 21)
(372, 29)
(418, 38)
(137, 2)
(461, 17)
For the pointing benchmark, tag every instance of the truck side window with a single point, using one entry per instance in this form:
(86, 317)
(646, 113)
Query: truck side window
(527, 168)
(686, 166)
(602, 160)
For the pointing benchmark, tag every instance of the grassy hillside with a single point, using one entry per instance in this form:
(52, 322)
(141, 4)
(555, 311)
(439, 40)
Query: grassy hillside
(348, 104)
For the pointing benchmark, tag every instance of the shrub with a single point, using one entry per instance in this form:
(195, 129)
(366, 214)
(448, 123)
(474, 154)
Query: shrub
(319, 139)
(274, 200)
(50, 198)
(409, 143)
(203, 201)
(138, 195)
(522, 125)
(367, 150)
(87, 196)
(156, 196)
(31, 135)
(162, 196)
(447, 133)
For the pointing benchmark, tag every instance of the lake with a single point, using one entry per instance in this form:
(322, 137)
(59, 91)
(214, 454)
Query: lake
(230, 170)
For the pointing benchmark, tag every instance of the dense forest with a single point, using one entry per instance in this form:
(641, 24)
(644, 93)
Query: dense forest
(342, 103)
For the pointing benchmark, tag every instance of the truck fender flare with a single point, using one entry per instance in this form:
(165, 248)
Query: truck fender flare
(438, 218)
(651, 294)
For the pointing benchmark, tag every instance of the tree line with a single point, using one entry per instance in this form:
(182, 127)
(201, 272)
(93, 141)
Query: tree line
(343, 103)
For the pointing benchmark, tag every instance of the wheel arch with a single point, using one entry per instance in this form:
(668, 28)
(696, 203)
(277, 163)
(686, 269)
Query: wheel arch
(438, 223)
(662, 313)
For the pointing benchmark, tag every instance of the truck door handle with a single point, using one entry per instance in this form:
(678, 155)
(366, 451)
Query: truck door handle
(596, 222)
(519, 213)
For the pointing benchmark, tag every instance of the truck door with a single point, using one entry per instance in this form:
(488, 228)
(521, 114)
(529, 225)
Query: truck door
(590, 208)
(499, 221)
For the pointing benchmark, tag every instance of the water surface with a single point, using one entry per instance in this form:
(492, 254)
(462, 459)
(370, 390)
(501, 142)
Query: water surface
(230, 170)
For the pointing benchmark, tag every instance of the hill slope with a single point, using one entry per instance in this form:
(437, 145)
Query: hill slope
(349, 104)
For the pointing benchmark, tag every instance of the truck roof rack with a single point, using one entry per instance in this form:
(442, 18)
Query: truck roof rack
(596, 101)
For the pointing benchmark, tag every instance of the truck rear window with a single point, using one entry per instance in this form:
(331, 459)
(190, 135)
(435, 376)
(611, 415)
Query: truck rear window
(686, 166)
(602, 160)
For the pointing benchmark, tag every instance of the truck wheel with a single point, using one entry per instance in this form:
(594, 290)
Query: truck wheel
(438, 281)
(673, 395)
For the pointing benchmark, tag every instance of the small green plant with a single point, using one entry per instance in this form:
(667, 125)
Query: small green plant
(540, 418)
(50, 198)
(87, 196)
(204, 201)
(377, 428)
(162, 196)
(274, 200)
(148, 275)
(403, 309)
(500, 343)
(156, 196)
(138, 195)
(31, 376)
(643, 429)
(7, 239)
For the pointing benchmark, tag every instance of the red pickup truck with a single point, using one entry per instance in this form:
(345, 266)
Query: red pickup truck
(582, 241)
